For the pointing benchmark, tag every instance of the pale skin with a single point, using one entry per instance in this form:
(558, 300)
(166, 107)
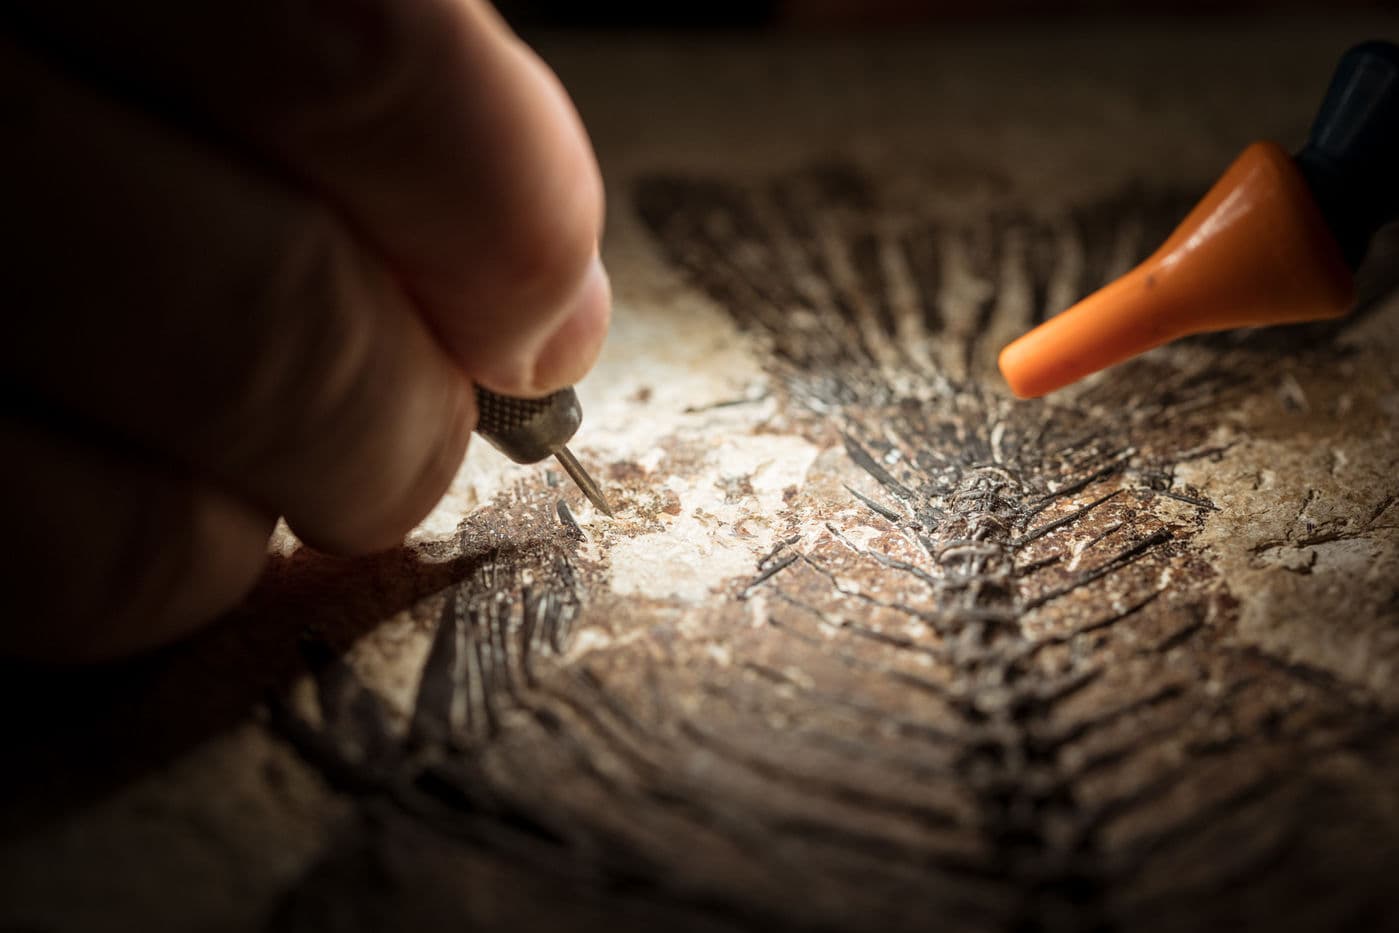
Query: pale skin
(257, 253)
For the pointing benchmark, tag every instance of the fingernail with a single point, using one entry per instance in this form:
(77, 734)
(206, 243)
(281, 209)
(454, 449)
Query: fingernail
(573, 347)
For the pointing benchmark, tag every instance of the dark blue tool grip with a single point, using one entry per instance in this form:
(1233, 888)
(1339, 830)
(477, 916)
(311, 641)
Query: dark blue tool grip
(1351, 159)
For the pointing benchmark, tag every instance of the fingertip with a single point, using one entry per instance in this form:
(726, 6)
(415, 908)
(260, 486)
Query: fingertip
(376, 512)
(573, 348)
(562, 356)
(538, 209)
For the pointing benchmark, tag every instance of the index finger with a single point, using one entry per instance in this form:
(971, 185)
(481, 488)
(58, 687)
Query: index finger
(449, 147)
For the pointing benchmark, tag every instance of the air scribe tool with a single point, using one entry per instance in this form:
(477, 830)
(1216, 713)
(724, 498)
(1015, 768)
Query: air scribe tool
(1275, 241)
(529, 429)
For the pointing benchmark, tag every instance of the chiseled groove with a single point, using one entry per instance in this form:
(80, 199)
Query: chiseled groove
(904, 299)
(923, 259)
(1098, 227)
(869, 316)
(547, 620)
(866, 262)
(562, 630)
(471, 686)
(1042, 258)
(336, 684)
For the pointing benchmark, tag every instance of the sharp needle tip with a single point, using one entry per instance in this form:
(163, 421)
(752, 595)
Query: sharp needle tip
(585, 482)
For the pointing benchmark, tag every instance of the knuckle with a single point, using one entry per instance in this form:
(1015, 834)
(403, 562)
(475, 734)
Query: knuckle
(303, 344)
(173, 591)
(328, 296)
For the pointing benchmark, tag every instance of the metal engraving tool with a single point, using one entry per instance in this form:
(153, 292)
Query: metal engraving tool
(529, 429)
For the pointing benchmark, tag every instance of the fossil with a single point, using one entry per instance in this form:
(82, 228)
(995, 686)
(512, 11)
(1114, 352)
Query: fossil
(987, 675)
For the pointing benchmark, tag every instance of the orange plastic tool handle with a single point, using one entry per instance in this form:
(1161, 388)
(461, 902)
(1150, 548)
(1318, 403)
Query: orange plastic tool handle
(1255, 251)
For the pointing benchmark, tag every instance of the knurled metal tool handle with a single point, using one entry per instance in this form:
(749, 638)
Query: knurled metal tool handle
(527, 430)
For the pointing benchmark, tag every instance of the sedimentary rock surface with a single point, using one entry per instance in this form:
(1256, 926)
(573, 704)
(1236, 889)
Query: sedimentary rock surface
(871, 645)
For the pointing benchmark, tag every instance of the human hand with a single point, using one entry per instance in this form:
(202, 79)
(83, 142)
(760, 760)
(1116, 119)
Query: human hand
(256, 253)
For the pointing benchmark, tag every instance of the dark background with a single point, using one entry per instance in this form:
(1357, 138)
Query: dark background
(821, 15)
